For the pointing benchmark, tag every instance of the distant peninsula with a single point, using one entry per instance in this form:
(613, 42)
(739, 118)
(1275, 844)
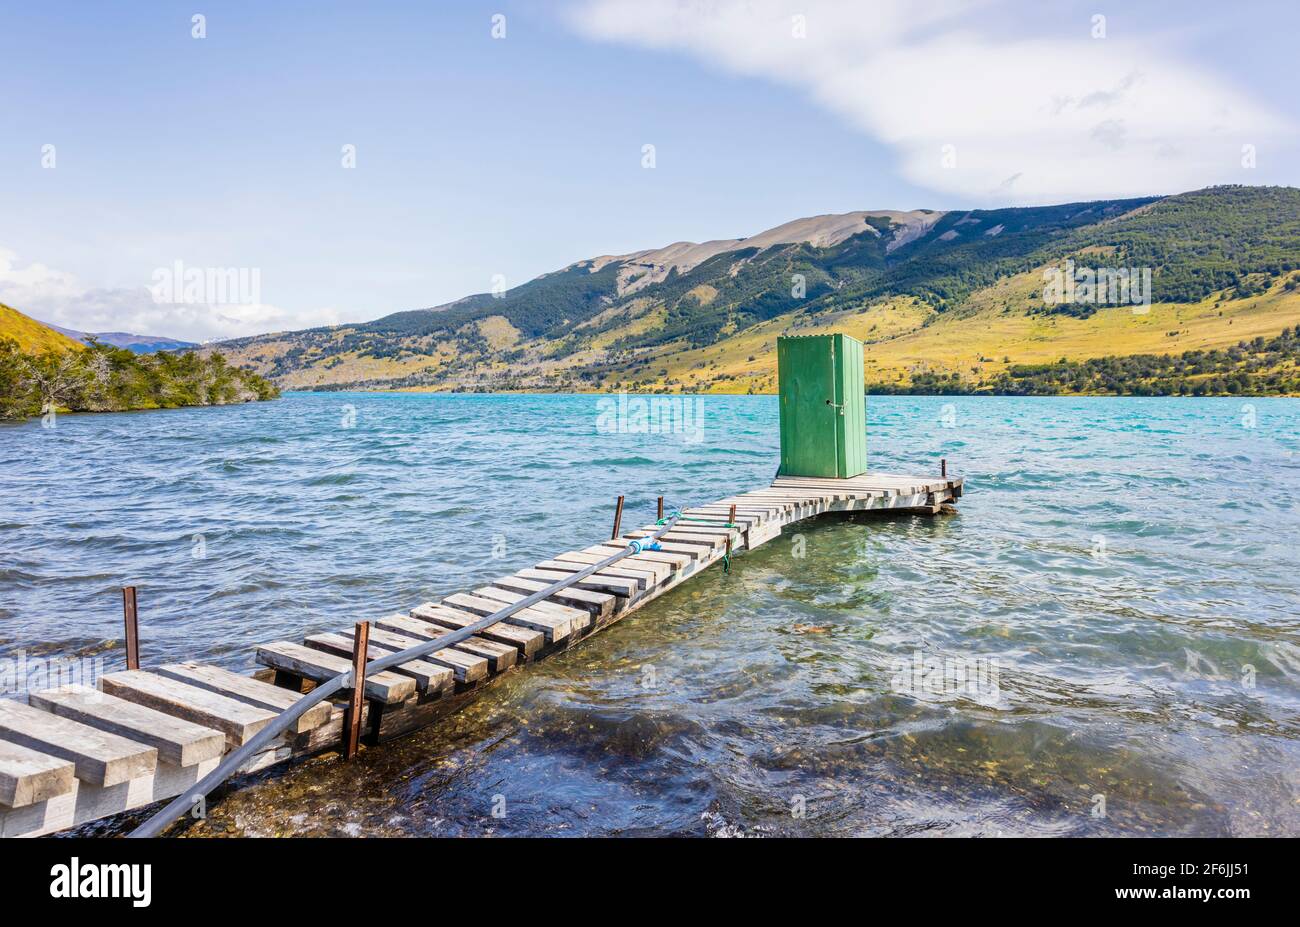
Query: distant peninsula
(42, 370)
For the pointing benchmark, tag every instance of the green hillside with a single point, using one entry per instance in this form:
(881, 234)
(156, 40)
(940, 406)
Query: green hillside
(955, 293)
(30, 335)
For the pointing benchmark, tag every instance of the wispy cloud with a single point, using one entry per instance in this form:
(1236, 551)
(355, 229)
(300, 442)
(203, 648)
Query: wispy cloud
(60, 298)
(968, 101)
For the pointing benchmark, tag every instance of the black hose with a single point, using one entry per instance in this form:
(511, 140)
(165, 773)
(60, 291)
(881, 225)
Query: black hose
(231, 764)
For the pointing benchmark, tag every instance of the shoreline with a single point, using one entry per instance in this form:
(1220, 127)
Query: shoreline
(61, 412)
(285, 390)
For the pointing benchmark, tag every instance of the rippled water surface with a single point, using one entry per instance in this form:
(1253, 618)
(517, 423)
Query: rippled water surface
(1124, 571)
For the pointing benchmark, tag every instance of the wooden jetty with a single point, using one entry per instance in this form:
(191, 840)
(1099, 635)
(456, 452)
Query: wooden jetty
(74, 754)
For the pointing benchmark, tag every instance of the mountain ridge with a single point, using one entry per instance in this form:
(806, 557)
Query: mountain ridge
(654, 319)
(821, 231)
(136, 344)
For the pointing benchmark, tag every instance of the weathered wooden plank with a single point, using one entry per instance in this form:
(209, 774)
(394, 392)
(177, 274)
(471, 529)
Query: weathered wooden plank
(827, 493)
(597, 582)
(239, 721)
(657, 571)
(481, 602)
(28, 776)
(470, 652)
(763, 506)
(678, 561)
(897, 501)
(712, 542)
(644, 579)
(861, 494)
(500, 657)
(555, 628)
(179, 742)
(434, 620)
(802, 508)
(881, 484)
(780, 496)
(249, 690)
(747, 537)
(386, 686)
(661, 570)
(762, 511)
(694, 551)
(878, 491)
(684, 540)
(772, 506)
(755, 531)
(99, 757)
(717, 535)
(909, 485)
(717, 522)
(598, 604)
(578, 616)
(718, 529)
(794, 497)
(467, 667)
(754, 513)
(839, 492)
(429, 676)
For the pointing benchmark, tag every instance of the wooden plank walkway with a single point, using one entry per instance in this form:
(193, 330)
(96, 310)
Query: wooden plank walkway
(75, 754)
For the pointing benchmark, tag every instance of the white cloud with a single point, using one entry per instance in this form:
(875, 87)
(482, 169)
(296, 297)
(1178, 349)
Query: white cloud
(1030, 119)
(60, 298)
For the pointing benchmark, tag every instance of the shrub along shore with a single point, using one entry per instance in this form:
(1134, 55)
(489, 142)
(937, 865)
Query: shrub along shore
(102, 378)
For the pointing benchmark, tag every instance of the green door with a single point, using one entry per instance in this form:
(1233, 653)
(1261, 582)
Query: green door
(851, 431)
(823, 409)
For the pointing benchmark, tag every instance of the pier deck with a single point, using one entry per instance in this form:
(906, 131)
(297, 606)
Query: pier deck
(74, 754)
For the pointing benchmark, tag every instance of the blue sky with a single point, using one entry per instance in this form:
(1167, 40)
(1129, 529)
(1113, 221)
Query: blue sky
(478, 156)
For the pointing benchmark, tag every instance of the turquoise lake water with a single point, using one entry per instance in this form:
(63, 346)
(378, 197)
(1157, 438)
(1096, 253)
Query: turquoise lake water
(1127, 568)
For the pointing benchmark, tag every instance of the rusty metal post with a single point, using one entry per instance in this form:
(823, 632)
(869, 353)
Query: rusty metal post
(660, 516)
(943, 467)
(618, 519)
(131, 620)
(360, 651)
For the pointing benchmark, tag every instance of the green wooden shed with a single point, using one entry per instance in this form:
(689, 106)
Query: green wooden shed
(823, 406)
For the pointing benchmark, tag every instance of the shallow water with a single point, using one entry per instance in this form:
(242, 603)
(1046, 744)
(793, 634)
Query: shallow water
(1121, 582)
